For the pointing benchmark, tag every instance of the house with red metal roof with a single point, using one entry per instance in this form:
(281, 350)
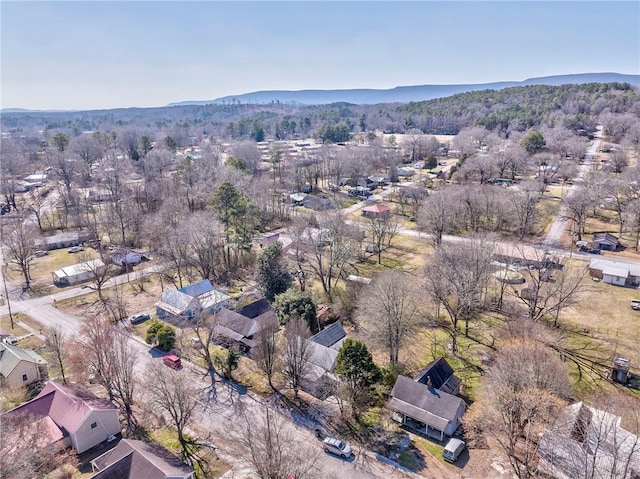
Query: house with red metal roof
(376, 212)
(69, 415)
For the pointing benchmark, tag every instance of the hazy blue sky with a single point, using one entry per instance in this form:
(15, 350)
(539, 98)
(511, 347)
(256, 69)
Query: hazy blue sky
(80, 55)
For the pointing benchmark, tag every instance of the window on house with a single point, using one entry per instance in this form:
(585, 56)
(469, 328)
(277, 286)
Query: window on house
(24, 377)
(94, 425)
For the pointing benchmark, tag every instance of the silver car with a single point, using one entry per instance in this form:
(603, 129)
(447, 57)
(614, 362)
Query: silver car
(337, 447)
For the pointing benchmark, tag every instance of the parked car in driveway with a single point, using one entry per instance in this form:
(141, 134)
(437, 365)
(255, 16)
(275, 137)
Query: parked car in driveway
(337, 447)
(453, 449)
(75, 249)
(139, 318)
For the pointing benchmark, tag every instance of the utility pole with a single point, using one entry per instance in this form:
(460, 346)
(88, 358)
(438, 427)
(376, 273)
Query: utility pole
(6, 293)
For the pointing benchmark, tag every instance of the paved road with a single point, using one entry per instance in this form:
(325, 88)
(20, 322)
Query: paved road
(219, 418)
(559, 223)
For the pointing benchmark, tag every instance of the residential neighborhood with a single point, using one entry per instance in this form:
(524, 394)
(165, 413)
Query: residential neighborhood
(429, 281)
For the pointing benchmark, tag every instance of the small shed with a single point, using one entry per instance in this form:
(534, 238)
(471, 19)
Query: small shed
(620, 370)
(376, 212)
(606, 241)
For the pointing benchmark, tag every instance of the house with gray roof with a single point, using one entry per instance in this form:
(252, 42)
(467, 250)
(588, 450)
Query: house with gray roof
(78, 273)
(330, 337)
(132, 459)
(425, 409)
(64, 240)
(21, 367)
(588, 442)
(616, 271)
(69, 415)
(321, 365)
(191, 301)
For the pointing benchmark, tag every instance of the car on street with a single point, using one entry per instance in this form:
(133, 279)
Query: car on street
(75, 249)
(139, 318)
(594, 251)
(172, 361)
(337, 447)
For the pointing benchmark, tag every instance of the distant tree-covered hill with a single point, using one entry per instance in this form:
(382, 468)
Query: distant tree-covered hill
(404, 94)
(575, 106)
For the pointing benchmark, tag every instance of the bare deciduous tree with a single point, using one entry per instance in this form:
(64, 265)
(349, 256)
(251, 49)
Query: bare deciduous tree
(266, 351)
(174, 398)
(23, 453)
(389, 311)
(329, 251)
(99, 348)
(19, 241)
(272, 448)
(551, 287)
(456, 278)
(524, 203)
(521, 397)
(436, 214)
(297, 353)
(99, 273)
(204, 327)
(382, 232)
(599, 445)
(56, 341)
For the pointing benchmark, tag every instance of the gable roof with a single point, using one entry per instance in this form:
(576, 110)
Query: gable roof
(197, 289)
(174, 301)
(255, 309)
(68, 405)
(132, 459)
(604, 237)
(321, 360)
(587, 440)
(441, 375)
(237, 322)
(425, 404)
(632, 267)
(11, 356)
(80, 268)
(329, 336)
(376, 209)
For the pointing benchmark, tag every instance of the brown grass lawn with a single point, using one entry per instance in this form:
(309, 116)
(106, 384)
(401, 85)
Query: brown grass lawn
(56, 259)
(606, 312)
(137, 302)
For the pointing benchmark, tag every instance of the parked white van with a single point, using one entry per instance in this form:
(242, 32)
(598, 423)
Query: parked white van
(453, 449)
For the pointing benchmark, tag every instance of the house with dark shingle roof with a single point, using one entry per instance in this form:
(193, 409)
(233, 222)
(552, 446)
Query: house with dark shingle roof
(71, 415)
(330, 337)
(441, 376)
(132, 459)
(191, 301)
(243, 324)
(21, 367)
(425, 408)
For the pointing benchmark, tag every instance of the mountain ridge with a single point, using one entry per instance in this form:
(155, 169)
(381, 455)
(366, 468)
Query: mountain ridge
(405, 94)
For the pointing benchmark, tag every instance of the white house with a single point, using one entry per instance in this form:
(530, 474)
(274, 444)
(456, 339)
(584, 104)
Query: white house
(20, 367)
(72, 416)
(618, 272)
(77, 273)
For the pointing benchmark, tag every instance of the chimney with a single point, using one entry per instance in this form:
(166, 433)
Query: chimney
(429, 383)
